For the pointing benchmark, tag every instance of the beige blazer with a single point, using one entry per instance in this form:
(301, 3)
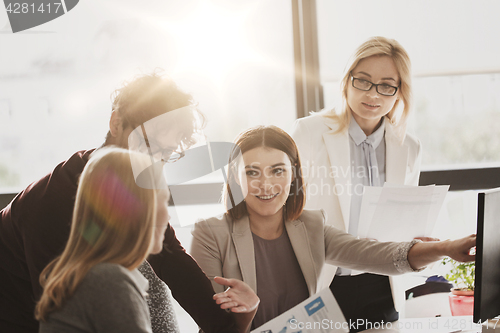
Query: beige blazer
(223, 247)
(326, 168)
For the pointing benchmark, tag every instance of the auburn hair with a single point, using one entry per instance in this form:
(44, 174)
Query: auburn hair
(267, 137)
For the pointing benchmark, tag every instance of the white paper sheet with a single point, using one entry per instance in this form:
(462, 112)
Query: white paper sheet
(399, 213)
(319, 313)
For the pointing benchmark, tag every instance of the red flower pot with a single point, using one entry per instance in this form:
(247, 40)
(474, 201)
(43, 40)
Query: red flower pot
(461, 302)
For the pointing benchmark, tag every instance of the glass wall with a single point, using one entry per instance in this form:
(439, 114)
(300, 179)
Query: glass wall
(56, 79)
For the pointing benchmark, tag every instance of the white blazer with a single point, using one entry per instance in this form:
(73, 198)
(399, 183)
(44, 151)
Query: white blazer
(326, 168)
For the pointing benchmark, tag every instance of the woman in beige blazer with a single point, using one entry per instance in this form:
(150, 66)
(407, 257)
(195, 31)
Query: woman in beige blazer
(376, 96)
(277, 248)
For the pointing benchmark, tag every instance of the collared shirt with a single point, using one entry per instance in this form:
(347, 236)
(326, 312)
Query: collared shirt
(362, 170)
(141, 282)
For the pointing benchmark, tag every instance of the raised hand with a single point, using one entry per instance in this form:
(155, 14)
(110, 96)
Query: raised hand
(238, 297)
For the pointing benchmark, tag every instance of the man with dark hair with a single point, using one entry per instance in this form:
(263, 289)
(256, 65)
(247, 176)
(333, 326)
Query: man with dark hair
(35, 226)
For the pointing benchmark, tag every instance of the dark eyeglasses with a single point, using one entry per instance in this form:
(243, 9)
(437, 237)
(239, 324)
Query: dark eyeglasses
(365, 85)
(167, 155)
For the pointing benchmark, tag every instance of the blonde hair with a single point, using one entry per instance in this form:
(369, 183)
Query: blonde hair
(113, 222)
(378, 46)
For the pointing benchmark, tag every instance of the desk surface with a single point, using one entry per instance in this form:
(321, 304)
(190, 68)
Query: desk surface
(456, 324)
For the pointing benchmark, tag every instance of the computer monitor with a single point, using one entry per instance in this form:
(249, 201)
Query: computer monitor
(487, 283)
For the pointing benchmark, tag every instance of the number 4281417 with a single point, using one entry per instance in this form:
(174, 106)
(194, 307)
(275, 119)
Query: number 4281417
(24, 8)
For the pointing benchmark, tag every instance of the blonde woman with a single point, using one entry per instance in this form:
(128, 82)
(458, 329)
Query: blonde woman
(362, 143)
(270, 242)
(95, 286)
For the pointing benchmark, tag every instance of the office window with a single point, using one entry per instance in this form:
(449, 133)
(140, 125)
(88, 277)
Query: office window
(56, 79)
(454, 50)
(234, 57)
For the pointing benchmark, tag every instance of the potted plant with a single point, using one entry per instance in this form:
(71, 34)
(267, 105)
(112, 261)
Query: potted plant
(462, 296)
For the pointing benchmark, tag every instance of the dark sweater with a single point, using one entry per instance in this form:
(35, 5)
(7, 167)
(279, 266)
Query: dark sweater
(34, 229)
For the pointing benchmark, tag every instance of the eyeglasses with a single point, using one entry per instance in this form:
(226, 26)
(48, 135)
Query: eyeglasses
(167, 155)
(365, 85)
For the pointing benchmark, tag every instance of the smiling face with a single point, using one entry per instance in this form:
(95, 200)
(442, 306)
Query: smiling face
(368, 107)
(268, 175)
(162, 219)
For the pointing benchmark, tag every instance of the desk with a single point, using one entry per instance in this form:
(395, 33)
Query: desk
(455, 324)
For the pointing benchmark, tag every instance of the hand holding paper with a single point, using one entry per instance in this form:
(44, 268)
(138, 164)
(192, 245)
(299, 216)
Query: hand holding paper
(400, 213)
